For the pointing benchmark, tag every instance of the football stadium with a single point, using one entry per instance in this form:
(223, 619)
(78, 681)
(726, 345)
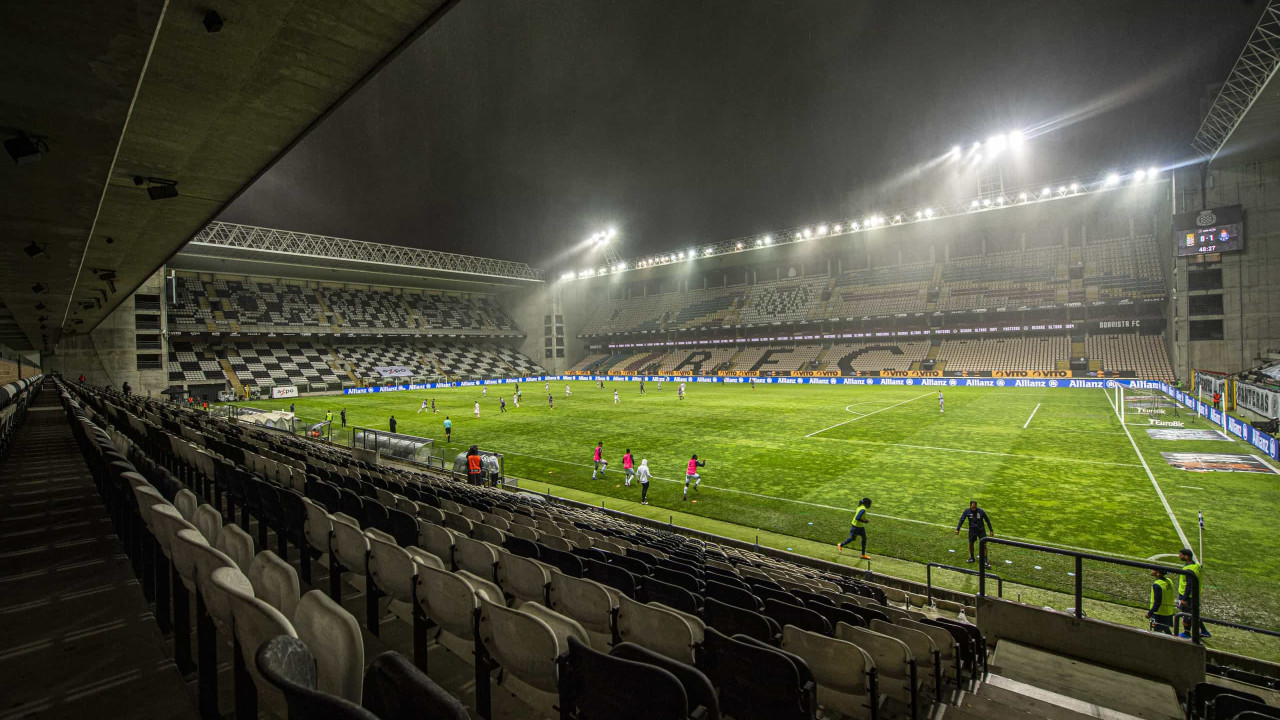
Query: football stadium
(988, 437)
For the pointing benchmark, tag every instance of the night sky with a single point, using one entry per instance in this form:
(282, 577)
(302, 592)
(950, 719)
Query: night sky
(515, 129)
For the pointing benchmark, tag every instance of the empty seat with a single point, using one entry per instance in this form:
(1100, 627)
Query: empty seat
(237, 545)
(255, 622)
(588, 602)
(526, 643)
(673, 596)
(476, 557)
(275, 582)
(524, 579)
(286, 663)
(450, 600)
(699, 692)
(659, 629)
(437, 540)
(333, 637)
(844, 673)
(597, 686)
(396, 690)
(787, 614)
(896, 670)
(732, 620)
(756, 682)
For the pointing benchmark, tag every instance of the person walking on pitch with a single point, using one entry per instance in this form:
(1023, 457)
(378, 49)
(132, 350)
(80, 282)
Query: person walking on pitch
(392, 423)
(642, 475)
(423, 406)
(477, 409)
(1160, 607)
(642, 387)
(628, 467)
(433, 406)
(344, 417)
(551, 402)
(691, 473)
(515, 398)
(600, 464)
(1184, 600)
(502, 403)
(615, 397)
(858, 528)
(448, 429)
(979, 524)
(567, 391)
(940, 409)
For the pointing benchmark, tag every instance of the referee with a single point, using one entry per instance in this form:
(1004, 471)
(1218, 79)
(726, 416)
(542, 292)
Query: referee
(979, 525)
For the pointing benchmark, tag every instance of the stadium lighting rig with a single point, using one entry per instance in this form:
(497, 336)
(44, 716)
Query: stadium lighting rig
(1067, 188)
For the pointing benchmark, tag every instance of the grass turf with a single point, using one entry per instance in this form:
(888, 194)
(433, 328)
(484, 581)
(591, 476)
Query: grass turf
(794, 460)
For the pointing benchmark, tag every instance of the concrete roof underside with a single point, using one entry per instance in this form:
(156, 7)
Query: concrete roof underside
(201, 257)
(140, 88)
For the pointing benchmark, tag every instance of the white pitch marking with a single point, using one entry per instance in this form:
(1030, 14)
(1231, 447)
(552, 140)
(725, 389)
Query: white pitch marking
(1264, 462)
(873, 412)
(1033, 414)
(1172, 518)
(1157, 556)
(1190, 487)
(984, 452)
(833, 507)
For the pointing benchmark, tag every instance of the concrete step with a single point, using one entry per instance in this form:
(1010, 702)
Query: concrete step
(1081, 686)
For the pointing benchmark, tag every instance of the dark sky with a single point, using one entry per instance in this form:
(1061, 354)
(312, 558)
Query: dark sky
(514, 128)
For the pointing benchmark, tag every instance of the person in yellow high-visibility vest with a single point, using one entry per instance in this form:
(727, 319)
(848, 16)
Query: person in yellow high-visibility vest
(858, 528)
(1160, 607)
(1184, 601)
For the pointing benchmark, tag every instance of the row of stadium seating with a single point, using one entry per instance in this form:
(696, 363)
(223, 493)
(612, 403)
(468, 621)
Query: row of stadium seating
(1117, 269)
(324, 543)
(1144, 355)
(270, 363)
(223, 305)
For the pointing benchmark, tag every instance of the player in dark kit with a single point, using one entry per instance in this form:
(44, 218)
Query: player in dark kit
(979, 524)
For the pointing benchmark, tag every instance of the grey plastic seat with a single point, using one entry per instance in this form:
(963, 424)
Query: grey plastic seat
(186, 502)
(524, 579)
(450, 600)
(237, 545)
(168, 521)
(896, 670)
(275, 582)
(841, 669)
(488, 533)
(437, 540)
(476, 557)
(525, 643)
(333, 636)
(944, 642)
(524, 531)
(349, 548)
(209, 521)
(288, 665)
(588, 602)
(923, 649)
(254, 622)
(659, 628)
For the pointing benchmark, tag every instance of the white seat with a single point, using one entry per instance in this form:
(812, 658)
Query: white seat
(275, 582)
(186, 502)
(892, 658)
(146, 496)
(588, 602)
(350, 547)
(394, 573)
(526, 643)
(657, 628)
(207, 559)
(237, 545)
(437, 540)
(334, 638)
(317, 527)
(450, 601)
(489, 534)
(942, 641)
(167, 521)
(255, 621)
(523, 579)
(921, 645)
(840, 669)
(209, 521)
(524, 532)
(495, 521)
(556, 543)
(471, 514)
(476, 557)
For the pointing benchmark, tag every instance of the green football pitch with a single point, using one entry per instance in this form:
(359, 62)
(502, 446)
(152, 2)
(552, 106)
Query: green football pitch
(1051, 466)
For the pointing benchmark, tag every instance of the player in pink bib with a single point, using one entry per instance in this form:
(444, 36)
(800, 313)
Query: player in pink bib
(599, 463)
(691, 473)
(628, 466)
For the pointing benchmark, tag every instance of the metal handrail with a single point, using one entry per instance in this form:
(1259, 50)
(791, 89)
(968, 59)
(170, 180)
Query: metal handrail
(1193, 582)
(1178, 616)
(928, 578)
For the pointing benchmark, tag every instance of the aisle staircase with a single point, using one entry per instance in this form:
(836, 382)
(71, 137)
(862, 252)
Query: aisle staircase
(1025, 682)
(236, 385)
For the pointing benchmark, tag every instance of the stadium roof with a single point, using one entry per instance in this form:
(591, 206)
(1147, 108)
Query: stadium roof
(232, 248)
(106, 94)
(1241, 124)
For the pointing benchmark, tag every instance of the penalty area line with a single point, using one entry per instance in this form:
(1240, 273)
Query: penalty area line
(873, 412)
(1033, 414)
(1163, 501)
(826, 507)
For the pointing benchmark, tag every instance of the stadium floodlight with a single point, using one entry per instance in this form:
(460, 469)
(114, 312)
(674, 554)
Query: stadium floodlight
(611, 233)
(567, 276)
(1139, 175)
(837, 228)
(973, 204)
(1045, 192)
(977, 159)
(917, 214)
(1062, 189)
(897, 218)
(1022, 196)
(822, 230)
(955, 151)
(1016, 138)
(973, 149)
(854, 225)
(1000, 200)
(707, 251)
(928, 212)
(622, 266)
(1112, 179)
(739, 246)
(996, 144)
(681, 255)
(1152, 173)
(768, 239)
(986, 202)
(1074, 187)
(692, 253)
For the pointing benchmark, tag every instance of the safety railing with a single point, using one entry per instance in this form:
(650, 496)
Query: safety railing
(1193, 582)
(928, 577)
(1179, 617)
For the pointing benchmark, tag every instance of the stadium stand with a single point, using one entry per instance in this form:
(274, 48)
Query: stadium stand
(776, 357)
(1005, 353)
(694, 362)
(366, 309)
(266, 364)
(1145, 355)
(310, 559)
(850, 358)
(362, 359)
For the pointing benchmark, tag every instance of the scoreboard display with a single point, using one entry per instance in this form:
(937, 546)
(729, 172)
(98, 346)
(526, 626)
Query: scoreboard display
(1216, 230)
